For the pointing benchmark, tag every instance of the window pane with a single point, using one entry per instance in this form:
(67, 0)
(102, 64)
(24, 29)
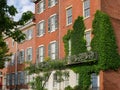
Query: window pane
(29, 54)
(53, 51)
(52, 3)
(86, 8)
(41, 28)
(41, 54)
(69, 16)
(94, 80)
(53, 23)
(41, 6)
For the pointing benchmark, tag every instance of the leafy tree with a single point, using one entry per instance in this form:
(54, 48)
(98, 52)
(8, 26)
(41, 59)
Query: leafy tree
(9, 28)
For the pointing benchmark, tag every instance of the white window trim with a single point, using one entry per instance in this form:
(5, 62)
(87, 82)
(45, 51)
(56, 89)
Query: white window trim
(84, 12)
(50, 22)
(52, 5)
(13, 42)
(88, 30)
(53, 42)
(37, 27)
(26, 53)
(39, 7)
(66, 15)
(12, 78)
(27, 32)
(40, 47)
(98, 83)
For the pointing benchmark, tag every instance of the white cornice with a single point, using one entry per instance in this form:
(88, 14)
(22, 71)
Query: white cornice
(27, 25)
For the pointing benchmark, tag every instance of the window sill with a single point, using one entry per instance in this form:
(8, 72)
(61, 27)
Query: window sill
(29, 39)
(40, 35)
(53, 30)
(40, 12)
(52, 6)
(86, 17)
(69, 24)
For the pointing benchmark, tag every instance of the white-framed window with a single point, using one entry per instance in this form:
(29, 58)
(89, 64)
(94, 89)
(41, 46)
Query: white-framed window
(21, 56)
(29, 54)
(88, 39)
(13, 42)
(77, 78)
(41, 6)
(6, 64)
(29, 34)
(53, 23)
(94, 81)
(13, 78)
(7, 43)
(13, 59)
(20, 78)
(69, 16)
(66, 80)
(69, 42)
(53, 50)
(54, 80)
(27, 78)
(41, 28)
(40, 53)
(7, 79)
(86, 8)
(52, 3)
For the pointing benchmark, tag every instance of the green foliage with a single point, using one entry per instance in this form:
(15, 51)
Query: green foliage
(78, 44)
(3, 52)
(104, 42)
(66, 38)
(44, 70)
(68, 88)
(7, 24)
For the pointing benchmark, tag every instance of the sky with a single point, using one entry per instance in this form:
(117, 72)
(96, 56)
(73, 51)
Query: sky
(22, 6)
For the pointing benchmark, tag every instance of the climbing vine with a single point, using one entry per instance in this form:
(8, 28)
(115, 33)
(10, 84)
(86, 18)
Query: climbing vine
(103, 43)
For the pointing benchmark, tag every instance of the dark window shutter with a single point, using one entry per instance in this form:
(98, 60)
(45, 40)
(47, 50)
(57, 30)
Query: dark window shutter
(56, 50)
(26, 54)
(37, 57)
(18, 57)
(38, 9)
(49, 50)
(31, 32)
(38, 28)
(31, 54)
(43, 53)
(44, 4)
(49, 21)
(56, 1)
(56, 21)
(23, 56)
(49, 3)
(44, 27)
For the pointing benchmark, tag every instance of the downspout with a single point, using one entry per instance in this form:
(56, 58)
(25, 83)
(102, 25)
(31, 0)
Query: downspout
(59, 32)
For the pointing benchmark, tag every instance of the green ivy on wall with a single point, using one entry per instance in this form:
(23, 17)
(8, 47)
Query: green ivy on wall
(103, 43)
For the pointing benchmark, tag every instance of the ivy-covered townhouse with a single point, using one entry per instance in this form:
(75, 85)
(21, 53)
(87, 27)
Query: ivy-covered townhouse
(14, 75)
(73, 29)
(53, 20)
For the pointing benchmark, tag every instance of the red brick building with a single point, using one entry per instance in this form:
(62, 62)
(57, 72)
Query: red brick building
(53, 18)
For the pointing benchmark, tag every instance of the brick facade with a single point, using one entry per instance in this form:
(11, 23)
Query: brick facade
(108, 6)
